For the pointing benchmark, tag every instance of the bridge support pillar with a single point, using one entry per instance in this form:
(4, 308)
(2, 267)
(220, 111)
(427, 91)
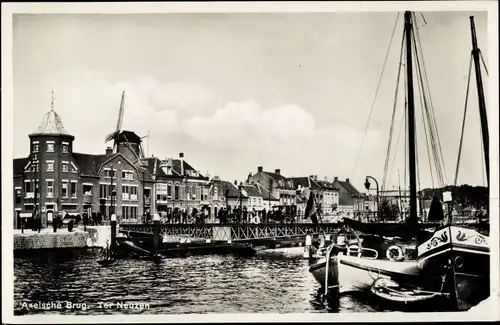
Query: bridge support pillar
(156, 233)
(113, 232)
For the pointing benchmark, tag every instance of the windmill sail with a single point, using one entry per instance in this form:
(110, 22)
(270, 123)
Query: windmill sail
(119, 123)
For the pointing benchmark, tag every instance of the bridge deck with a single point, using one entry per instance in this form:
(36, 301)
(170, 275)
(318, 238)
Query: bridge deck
(234, 232)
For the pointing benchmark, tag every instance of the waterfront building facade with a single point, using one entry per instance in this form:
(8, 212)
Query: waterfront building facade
(330, 199)
(279, 186)
(179, 188)
(351, 201)
(55, 179)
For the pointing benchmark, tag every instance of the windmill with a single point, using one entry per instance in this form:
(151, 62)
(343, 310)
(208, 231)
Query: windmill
(126, 142)
(114, 135)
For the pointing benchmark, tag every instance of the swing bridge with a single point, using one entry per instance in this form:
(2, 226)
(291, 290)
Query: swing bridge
(231, 232)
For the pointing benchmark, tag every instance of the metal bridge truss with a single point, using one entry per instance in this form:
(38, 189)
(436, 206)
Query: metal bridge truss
(233, 232)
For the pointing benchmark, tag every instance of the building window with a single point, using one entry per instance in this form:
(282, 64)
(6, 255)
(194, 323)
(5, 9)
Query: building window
(65, 167)
(28, 189)
(65, 189)
(133, 193)
(125, 192)
(129, 212)
(108, 173)
(50, 166)
(169, 190)
(87, 189)
(36, 147)
(128, 175)
(103, 191)
(176, 191)
(64, 148)
(18, 195)
(50, 147)
(73, 189)
(50, 189)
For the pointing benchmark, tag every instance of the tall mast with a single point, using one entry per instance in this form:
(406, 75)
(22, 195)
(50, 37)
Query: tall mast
(411, 120)
(480, 95)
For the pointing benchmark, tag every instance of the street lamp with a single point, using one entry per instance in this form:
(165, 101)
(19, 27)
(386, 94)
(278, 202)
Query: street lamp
(240, 187)
(367, 186)
(185, 197)
(113, 193)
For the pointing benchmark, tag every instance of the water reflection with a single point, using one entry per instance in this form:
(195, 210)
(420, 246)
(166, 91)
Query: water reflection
(265, 283)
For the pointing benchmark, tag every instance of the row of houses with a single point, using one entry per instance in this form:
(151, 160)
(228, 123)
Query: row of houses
(53, 178)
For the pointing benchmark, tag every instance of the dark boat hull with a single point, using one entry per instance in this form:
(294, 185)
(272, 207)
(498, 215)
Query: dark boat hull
(318, 271)
(462, 256)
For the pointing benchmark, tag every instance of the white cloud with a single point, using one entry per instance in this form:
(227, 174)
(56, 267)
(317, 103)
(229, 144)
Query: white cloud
(285, 135)
(88, 104)
(246, 134)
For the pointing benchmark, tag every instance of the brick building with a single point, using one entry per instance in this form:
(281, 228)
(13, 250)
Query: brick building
(279, 186)
(179, 186)
(54, 178)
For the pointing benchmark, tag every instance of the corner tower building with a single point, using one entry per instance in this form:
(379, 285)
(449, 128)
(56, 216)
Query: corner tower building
(54, 178)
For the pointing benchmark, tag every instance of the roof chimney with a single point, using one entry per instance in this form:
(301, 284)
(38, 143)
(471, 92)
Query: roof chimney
(181, 158)
(277, 171)
(236, 182)
(335, 179)
(260, 169)
(315, 177)
(347, 180)
(109, 150)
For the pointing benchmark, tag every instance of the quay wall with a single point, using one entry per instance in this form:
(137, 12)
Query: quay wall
(47, 239)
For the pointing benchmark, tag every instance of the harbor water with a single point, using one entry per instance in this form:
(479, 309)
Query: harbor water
(73, 283)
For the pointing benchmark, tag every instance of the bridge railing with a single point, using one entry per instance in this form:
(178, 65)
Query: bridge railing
(231, 231)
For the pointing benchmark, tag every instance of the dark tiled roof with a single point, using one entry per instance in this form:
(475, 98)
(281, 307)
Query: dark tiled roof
(233, 190)
(265, 193)
(278, 177)
(19, 164)
(251, 190)
(305, 182)
(326, 185)
(153, 166)
(90, 164)
(176, 166)
(348, 187)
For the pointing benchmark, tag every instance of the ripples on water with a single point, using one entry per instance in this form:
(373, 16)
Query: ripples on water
(265, 283)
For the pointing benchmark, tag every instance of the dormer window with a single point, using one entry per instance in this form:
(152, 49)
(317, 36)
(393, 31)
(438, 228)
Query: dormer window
(64, 147)
(281, 183)
(50, 146)
(36, 147)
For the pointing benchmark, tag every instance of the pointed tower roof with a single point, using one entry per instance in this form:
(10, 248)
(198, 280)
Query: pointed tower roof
(51, 123)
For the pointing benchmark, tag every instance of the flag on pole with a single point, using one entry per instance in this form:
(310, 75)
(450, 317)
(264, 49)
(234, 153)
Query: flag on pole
(311, 209)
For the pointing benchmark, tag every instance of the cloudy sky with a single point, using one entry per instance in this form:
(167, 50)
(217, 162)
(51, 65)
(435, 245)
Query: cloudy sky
(236, 91)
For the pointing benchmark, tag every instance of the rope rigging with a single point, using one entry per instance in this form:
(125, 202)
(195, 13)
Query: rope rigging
(463, 123)
(439, 151)
(428, 107)
(387, 157)
(376, 94)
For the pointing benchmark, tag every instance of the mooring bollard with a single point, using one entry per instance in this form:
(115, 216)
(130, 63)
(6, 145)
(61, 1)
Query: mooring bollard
(156, 232)
(307, 248)
(113, 231)
(322, 240)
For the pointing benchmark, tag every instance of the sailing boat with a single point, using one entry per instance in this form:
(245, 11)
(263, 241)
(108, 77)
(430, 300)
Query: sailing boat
(454, 262)
(458, 257)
